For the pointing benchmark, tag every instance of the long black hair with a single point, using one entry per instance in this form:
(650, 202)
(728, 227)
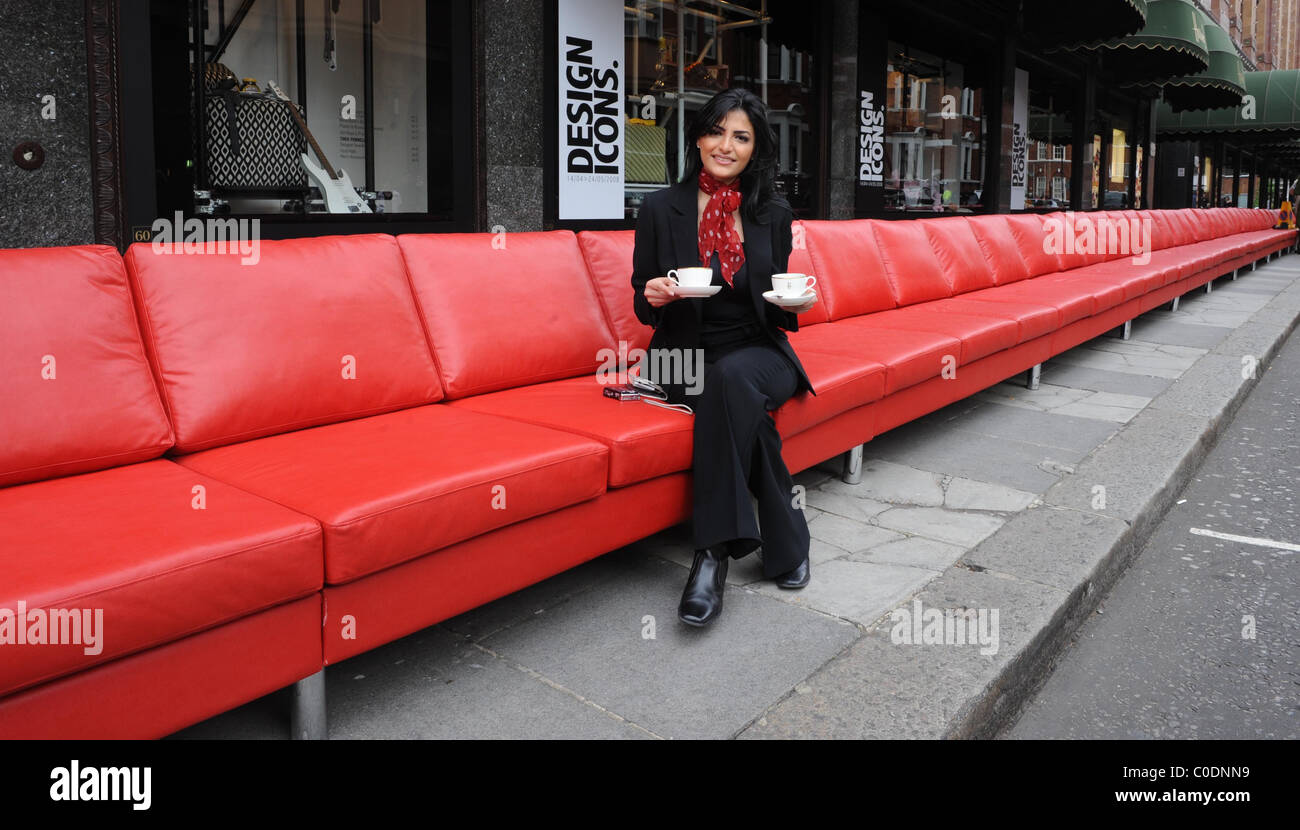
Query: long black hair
(757, 179)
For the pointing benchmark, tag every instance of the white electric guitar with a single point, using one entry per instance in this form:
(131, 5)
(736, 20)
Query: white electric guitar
(335, 186)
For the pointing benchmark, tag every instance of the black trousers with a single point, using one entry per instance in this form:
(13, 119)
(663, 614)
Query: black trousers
(738, 450)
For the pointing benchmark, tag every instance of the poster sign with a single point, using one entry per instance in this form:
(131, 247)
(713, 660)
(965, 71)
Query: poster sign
(869, 156)
(590, 41)
(1020, 140)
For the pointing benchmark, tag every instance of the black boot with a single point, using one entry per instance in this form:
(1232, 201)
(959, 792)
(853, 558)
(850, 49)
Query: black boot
(702, 599)
(796, 578)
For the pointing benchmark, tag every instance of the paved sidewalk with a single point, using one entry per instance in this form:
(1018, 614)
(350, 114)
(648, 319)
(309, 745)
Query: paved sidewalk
(990, 504)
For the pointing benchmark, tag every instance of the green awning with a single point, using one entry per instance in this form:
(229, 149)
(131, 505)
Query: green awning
(1171, 44)
(1056, 23)
(1221, 85)
(1270, 108)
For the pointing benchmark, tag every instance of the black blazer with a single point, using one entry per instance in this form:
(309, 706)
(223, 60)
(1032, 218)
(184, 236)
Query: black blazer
(667, 238)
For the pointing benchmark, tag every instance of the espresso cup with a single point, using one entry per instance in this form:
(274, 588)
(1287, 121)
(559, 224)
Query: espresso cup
(792, 285)
(691, 277)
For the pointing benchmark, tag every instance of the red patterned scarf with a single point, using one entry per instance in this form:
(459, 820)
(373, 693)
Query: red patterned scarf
(718, 227)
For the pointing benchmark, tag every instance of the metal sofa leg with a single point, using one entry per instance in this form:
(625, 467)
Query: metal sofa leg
(1174, 305)
(1033, 376)
(1234, 274)
(307, 720)
(852, 473)
(1209, 286)
(1254, 264)
(1128, 330)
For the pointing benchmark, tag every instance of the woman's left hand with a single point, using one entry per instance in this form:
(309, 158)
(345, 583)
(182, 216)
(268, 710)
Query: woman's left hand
(800, 309)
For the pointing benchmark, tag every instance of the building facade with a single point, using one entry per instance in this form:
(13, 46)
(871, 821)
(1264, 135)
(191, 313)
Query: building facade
(475, 115)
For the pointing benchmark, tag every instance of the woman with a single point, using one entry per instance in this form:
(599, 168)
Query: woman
(725, 214)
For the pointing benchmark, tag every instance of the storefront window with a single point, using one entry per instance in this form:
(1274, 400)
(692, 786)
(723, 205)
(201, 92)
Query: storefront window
(303, 109)
(1051, 154)
(679, 55)
(1120, 172)
(934, 124)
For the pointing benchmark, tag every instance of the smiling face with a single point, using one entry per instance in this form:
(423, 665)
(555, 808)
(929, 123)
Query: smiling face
(726, 149)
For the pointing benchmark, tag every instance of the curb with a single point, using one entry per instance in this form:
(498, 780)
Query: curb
(1186, 427)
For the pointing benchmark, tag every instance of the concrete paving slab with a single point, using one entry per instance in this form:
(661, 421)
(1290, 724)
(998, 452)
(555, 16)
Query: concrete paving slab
(913, 551)
(1052, 545)
(850, 589)
(850, 535)
(969, 494)
(686, 682)
(1103, 380)
(959, 528)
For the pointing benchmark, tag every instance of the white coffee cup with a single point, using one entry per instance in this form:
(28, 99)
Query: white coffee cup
(691, 277)
(792, 285)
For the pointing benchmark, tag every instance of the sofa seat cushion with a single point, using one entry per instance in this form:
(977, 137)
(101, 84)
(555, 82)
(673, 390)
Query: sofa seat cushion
(393, 487)
(909, 356)
(644, 441)
(1034, 319)
(1136, 280)
(980, 335)
(842, 383)
(1075, 299)
(158, 557)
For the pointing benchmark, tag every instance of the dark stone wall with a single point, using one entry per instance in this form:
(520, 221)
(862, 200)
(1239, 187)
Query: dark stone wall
(44, 53)
(513, 52)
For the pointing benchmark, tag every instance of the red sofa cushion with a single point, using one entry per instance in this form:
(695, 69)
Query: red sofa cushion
(318, 330)
(1032, 319)
(644, 440)
(76, 392)
(801, 262)
(999, 248)
(842, 382)
(1073, 301)
(1031, 240)
(130, 542)
(914, 271)
(980, 335)
(608, 255)
(909, 357)
(393, 487)
(511, 315)
(959, 254)
(846, 260)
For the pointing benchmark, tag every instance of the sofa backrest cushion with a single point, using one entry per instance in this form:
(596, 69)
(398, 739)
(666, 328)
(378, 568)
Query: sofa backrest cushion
(314, 331)
(959, 253)
(1031, 236)
(801, 263)
(608, 255)
(76, 390)
(914, 271)
(505, 315)
(846, 260)
(1000, 249)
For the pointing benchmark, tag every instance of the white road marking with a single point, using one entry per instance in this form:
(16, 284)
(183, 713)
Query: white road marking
(1245, 540)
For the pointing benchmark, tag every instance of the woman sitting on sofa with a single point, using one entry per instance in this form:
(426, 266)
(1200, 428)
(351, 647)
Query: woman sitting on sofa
(724, 214)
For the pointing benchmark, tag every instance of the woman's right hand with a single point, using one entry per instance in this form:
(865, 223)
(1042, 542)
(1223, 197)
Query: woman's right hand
(660, 291)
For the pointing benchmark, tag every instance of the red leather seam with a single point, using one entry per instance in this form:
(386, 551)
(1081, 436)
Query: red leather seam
(282, 429)
(424, 323)
(92, 459)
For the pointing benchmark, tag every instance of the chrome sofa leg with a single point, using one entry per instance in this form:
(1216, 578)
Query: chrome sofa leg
(307, 720)
(1209, 286)
(1128, 330)
(1174, 305)
(1032, 377)
(852, 473)
(1234, 274)
(1254, 264)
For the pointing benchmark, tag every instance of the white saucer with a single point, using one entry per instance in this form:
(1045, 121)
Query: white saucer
(696, 291)
(789, 302)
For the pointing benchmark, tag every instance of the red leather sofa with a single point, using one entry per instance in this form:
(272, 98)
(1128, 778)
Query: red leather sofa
(254, 471)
